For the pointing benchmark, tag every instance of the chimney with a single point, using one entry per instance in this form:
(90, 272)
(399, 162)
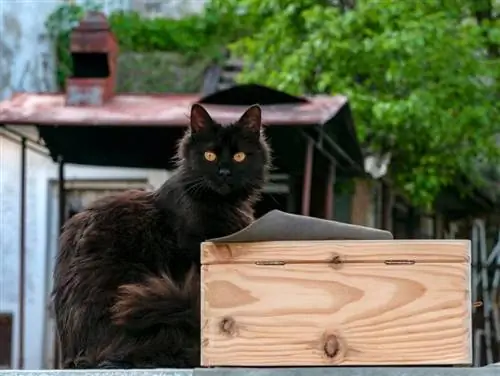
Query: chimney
(94, 52)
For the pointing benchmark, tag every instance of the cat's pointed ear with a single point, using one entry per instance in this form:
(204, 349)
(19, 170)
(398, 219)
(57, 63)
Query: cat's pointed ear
(252, 118)
(200, 119)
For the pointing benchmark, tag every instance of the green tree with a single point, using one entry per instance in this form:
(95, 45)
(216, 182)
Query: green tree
(422, 76)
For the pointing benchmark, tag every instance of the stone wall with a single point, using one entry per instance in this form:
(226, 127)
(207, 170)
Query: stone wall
(159, 72)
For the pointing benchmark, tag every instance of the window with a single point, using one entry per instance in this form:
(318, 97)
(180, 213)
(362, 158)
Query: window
(153, 8)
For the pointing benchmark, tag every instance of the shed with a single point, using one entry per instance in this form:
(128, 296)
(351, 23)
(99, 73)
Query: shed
(312, 137)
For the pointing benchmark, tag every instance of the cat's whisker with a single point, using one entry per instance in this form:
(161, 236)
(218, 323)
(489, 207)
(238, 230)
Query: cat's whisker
(193, 187)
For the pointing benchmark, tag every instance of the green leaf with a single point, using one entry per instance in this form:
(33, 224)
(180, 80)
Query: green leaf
(418, 74)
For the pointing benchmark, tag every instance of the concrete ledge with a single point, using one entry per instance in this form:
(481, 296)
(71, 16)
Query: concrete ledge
(491, 370)
(351, 371)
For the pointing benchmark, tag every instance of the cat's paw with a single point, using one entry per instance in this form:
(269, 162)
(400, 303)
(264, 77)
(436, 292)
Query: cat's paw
(78, 363)
(108, 364)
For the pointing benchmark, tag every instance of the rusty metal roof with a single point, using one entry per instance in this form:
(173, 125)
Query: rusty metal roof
(156, 110)
(139, 130)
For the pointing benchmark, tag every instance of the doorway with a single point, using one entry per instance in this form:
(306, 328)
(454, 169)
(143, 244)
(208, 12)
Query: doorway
(78, 194)
(6, 341)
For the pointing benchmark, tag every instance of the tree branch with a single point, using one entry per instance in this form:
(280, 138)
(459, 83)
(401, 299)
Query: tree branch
(484, 13)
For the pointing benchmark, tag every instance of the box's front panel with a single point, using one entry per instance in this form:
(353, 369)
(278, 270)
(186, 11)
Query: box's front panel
(313, 314)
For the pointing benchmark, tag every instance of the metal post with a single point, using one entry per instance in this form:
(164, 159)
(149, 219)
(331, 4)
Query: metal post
(307, 182)
(62, 194)
(22, 253)
(62, 217)
(387, 206)
(330, 188)
(411, 230)
(291, 206)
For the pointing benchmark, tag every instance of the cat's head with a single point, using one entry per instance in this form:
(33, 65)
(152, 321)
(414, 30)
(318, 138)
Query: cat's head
(230, 160)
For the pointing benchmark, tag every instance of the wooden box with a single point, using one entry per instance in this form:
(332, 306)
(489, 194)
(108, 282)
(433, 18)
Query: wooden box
(317, 303)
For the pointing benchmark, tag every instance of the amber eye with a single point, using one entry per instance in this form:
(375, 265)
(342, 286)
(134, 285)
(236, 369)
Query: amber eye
(209, 156)
(239, 157)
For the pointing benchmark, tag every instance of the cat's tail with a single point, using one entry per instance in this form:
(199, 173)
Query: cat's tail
(159, 301)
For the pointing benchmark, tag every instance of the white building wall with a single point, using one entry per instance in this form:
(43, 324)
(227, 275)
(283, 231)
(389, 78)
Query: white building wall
(170, 8)
(41, 171)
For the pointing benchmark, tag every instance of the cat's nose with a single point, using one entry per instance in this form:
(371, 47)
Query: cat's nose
(224, 172)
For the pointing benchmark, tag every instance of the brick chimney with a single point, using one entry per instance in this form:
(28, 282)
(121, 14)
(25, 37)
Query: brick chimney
(94, 52)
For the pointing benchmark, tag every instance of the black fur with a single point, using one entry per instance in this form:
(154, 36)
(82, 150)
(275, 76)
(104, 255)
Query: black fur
(126, 281)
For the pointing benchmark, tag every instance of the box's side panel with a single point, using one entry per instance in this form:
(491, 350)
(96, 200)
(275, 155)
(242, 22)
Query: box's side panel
(310, 314)
(345, 250)
(203, 302)
(469, 296)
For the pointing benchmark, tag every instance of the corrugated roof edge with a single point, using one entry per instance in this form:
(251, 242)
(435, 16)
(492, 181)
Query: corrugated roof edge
(155, 110)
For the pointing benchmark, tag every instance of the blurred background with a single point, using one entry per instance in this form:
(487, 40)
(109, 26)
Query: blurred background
(382, 113)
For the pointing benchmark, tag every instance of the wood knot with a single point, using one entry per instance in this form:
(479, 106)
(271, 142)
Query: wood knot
(336, 261)
(331, 346)
(227, 325)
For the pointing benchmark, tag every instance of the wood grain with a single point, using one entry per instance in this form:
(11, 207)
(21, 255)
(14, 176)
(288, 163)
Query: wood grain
(347, 251)
(361, 313)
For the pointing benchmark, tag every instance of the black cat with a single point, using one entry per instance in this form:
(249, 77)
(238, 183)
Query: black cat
(126, 281)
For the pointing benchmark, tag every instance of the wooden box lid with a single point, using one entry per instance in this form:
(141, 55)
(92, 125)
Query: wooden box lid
(352, 302)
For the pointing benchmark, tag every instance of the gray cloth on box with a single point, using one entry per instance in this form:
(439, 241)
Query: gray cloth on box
(277, 225)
